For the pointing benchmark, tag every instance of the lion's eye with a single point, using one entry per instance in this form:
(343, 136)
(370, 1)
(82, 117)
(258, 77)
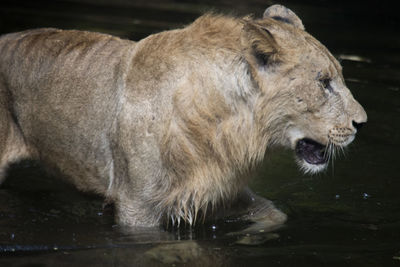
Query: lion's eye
(326, 83)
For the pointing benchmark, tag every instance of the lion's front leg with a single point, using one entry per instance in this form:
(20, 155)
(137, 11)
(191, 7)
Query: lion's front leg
(262, 212)
(135, 213)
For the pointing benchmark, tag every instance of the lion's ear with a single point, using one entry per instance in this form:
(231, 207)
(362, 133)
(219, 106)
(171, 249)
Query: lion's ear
(260, 42)
(281, 13)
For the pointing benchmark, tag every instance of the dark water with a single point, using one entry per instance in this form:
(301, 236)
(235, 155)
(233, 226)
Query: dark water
(348, 216)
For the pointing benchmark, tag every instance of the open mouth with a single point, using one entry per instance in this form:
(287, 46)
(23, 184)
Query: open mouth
(311, 151)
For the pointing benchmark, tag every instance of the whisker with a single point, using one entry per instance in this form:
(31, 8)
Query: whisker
(326, 151)
(344, 151)
(333, 155)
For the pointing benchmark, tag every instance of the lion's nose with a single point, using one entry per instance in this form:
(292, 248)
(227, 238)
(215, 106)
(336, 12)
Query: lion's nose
(358, 125)
(359, 117)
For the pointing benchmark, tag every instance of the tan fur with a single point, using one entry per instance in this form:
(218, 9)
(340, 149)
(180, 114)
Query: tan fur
(169, 127)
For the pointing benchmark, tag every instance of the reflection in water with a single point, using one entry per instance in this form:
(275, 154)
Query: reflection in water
(347, 216)
(354, 58)
(188, 252)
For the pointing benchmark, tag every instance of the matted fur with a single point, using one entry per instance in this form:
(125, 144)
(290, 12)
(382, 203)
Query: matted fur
(168, 128)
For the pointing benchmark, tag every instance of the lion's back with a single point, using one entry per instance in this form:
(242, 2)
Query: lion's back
(48, 50)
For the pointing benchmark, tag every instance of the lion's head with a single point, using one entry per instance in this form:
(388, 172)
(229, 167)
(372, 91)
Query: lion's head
(314, 111)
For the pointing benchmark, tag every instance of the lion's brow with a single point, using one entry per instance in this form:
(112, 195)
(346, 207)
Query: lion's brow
(312, 41)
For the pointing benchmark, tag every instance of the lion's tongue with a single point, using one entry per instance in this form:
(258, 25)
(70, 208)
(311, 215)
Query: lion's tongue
(311, 151)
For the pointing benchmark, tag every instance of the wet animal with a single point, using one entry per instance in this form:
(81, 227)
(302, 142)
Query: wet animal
(167, 128)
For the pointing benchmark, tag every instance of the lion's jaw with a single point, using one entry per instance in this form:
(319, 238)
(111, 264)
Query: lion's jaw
(313, 156)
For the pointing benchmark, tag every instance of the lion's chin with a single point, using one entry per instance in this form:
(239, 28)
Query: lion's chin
(311, 155)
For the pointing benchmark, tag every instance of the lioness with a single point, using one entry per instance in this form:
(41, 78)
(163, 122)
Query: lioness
(168, 127)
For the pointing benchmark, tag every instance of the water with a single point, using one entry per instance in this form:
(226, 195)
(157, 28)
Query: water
(348, 216)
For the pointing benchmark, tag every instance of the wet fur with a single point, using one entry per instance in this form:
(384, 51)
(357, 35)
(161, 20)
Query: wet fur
(167, 128)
